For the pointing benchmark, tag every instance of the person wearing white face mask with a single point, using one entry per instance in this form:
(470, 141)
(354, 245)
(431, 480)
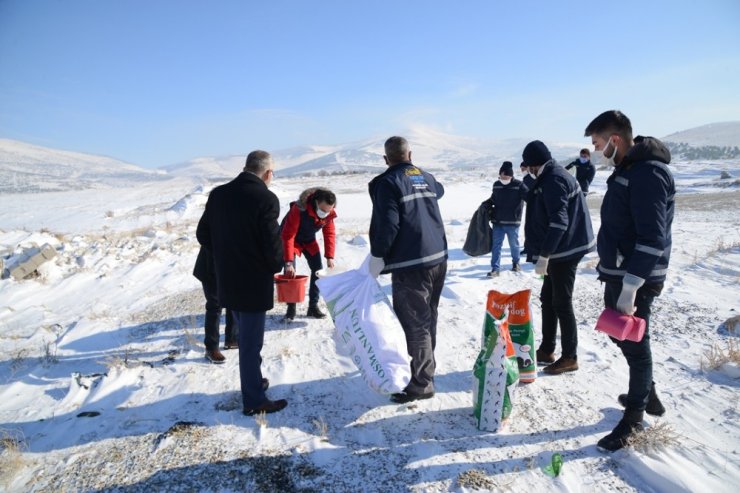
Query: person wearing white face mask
(634, 247)
(528, 179)
(558, 235)
(585, 170)
(507, 198)
(314, 211)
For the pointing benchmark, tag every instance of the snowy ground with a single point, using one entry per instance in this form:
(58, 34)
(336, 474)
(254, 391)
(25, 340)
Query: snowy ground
(103, 384)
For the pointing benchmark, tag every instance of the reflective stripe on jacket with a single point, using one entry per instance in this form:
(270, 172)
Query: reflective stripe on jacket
(406, 227)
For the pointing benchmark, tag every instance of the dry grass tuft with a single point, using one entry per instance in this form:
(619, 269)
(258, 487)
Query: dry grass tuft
(654, 438)
(120, 360)
(17, 361)
(12, 445)
(716, 356)
(261, 420)
(721, 247)
(322, 429)
(50, 357)
(476, 480)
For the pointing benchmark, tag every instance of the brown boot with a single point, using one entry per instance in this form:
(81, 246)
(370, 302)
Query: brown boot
(562, 365)
(215, 356)
(544, 358)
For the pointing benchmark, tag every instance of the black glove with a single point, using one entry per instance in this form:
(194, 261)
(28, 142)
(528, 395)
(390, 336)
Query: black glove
(489, 208)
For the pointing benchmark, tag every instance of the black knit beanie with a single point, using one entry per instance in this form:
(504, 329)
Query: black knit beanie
(536, 153)
(507, 169)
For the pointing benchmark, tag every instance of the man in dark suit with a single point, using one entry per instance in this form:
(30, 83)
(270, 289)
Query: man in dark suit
(240, 228)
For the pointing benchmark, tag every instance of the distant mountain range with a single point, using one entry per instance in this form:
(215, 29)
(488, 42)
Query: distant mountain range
(431, 150)
(30, 168)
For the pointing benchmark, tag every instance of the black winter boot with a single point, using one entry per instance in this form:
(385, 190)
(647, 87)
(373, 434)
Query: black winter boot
(631, 423)
(313, 311)
(290, 314)
(654, 406)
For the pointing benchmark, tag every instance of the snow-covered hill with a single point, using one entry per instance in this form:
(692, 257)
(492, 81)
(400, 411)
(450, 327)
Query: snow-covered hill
(432, 149)
(721, 134)
(29, 168)
(217, 168)
(104, 387)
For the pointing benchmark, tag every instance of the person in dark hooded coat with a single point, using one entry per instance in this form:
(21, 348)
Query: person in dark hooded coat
(558, 235)
(634, 245)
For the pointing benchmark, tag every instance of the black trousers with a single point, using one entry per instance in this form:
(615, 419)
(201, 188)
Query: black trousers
(315, 264)
(213, 320)
(416, 294)
(557, 308)
(638, 354)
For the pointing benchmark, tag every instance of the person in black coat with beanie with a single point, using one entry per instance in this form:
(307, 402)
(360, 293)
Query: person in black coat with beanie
(558, 235)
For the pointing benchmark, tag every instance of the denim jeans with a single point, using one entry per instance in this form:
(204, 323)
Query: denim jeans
(512, 233)
(557, 307)
(251, 338)
(638, 354)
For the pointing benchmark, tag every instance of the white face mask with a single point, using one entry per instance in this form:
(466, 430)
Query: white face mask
(505, 181)
(583, 160)
(609, 161)
(321, 213)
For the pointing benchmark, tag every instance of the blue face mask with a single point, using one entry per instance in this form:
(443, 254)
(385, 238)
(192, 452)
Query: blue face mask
(583, 160)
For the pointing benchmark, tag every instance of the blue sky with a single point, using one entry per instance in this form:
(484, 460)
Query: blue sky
(155, 82)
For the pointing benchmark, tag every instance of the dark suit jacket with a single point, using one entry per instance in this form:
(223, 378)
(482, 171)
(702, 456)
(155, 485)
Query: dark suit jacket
(204, 270)
(240, 228)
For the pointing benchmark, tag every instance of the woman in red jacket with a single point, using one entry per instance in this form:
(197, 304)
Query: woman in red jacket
(313, 211)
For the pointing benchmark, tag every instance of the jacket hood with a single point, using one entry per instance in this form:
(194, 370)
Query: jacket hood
(304, 203)
(647, 149)
(305, 195)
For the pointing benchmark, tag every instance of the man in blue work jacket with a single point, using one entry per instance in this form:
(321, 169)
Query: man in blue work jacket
(407, 239)
(634, 247)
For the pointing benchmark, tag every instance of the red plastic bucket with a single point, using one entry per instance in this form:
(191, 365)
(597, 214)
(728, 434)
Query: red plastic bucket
(290, 290)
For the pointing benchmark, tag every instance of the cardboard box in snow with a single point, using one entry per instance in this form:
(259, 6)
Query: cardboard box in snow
(521, 328)
(496, 375)
(30, 260)
(367, 329)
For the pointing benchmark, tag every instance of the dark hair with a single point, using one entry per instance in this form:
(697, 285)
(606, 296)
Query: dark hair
(325, 196)
(396, 149)
(611, 122)
(585, 151)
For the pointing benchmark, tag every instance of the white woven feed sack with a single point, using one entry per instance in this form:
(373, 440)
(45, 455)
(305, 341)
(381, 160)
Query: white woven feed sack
(367, 329)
